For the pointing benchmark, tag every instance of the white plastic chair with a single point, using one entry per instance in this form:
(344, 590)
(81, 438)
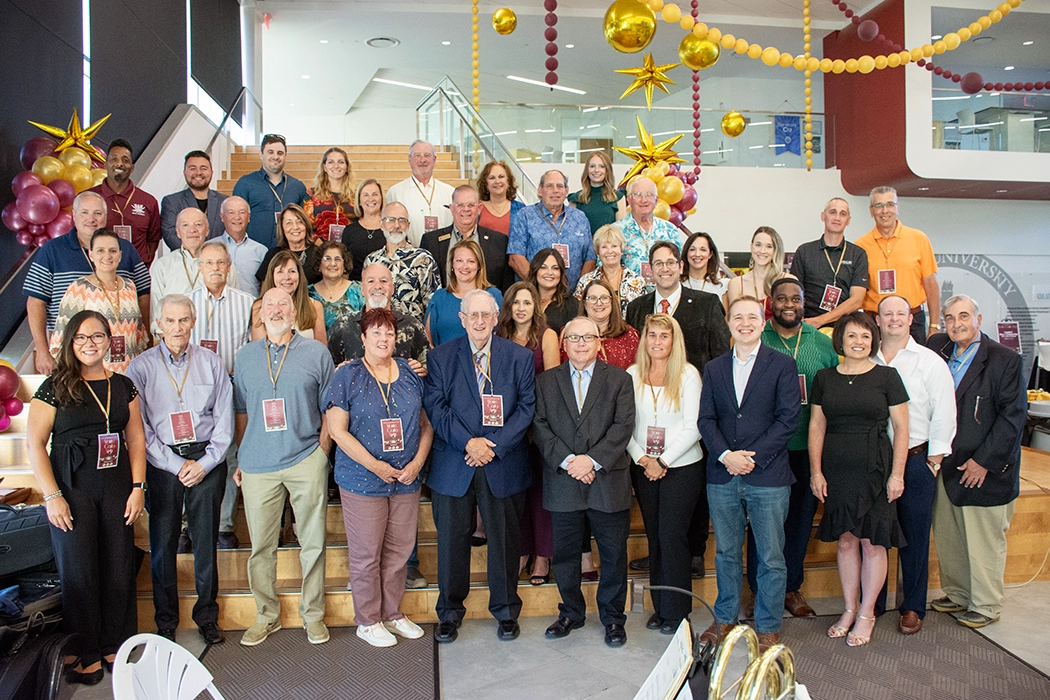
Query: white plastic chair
(165, 671)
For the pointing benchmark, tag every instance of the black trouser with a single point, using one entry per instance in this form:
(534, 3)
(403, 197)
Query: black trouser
(918, 326)
(610, 533)
(667, 505)
(96, 562)
(454, 517)
(700, 524)
(166, 498)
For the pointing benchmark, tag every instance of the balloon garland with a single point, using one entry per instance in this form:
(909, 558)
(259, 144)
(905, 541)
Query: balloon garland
(808, 83)
(692, 177)
(475, 76)
(550, 34)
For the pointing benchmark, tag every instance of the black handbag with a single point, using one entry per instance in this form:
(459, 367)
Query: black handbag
(25, 538)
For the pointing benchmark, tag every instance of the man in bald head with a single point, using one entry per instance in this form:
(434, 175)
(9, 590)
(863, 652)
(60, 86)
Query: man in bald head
(246, 254)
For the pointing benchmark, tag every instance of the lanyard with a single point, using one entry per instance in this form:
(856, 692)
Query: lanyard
(127, 202)
(178, 387)
(193, 280)
(960, 361)
(83, 251)
(835, 268)
(548, 219)
(278, 197)
(386, 396)
(879, 238)
(426, 199)
(109, 396)
(269, 365)
(210, 310)
(115, 305)
(652, 390)
(798, 341)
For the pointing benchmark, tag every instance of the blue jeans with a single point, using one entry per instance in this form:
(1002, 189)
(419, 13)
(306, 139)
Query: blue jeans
(733, 506)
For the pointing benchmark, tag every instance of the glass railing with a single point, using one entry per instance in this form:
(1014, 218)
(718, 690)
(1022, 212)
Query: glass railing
(991, 121)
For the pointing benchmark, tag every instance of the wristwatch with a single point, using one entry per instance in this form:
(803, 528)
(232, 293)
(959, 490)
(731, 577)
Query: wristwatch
(139, 485)
(933, 465)
(935, 325)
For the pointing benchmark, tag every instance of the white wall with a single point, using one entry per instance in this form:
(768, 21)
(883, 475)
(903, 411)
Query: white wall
(359, 126)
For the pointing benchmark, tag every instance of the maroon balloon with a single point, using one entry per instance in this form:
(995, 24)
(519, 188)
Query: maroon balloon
(998, 87)
(672, 169)
(551, 19)
(23, 180)
(37, 230)
(855, 19)
(1029, 86)
(551, 63)
(688, 200)
(8, 382)
(65, 191)
(956, 78)
(552, 49)
(35, 148)
(676, 217)
(550, 5)
(40, 240)
(13, 406)
(5, 423)
(63, 223)
(849, 15)
(690, 178)
(24, 238)
(37, 204)
(12, 219)
(552, 78)
(550, 34)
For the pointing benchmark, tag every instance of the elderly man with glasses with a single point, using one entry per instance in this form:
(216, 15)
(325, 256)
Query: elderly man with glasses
(642, 229)
(415, 270)
(426, 198)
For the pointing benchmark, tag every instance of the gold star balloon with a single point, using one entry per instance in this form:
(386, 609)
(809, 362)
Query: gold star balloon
(74, 135)
(647, 154)
(648, 76)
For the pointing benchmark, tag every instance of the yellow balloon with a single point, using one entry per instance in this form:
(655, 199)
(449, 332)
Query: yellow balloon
(662, 167)
(670, 190)
(75, 156)
(504, 21)
(48, 168)
(629, 25)
(866, 64)
(733, 124)
(697, 53)
(80, 177)
(97, 176)
(691, 212)
(770, 56)
(662, 210)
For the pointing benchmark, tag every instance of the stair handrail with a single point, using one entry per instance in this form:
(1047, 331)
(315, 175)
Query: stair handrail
(241, 94)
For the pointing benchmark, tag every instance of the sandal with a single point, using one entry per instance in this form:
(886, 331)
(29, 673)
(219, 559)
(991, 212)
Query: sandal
(838, 631)
(857, 641)
(538, 579)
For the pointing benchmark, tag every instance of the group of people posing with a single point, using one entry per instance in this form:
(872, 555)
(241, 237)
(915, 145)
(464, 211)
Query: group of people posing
(400, 348)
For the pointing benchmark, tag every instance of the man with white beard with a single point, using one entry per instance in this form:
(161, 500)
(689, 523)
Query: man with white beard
(284, 444)
(414, 270)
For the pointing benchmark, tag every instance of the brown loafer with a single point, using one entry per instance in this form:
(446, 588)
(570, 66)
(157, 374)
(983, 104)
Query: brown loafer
(716, 632)
(910, 622)
(796, 604)
(766, 640)
(749, 604)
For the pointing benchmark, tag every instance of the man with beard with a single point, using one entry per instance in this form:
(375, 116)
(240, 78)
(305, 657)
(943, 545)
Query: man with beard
(198, 193)
(133, 214)
(284, 446)
(414, 270)
(785, 332)
(269, 190)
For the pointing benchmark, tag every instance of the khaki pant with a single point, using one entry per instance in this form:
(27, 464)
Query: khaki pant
(306, 484)
(971, 547)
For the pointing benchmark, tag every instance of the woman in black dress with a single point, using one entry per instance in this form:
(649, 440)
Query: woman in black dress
(94, 487)
(855, 471)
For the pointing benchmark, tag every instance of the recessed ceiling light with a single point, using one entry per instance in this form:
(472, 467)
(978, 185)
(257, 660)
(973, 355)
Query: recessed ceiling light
(1027, 43)
(530, 81)
(935, 37)
(924, 189)
(1000, 191)
(573, 46)
(306, 77)
(1008, 68)
(324, 41)
(400, 84)
(446, 43)
(383, 42)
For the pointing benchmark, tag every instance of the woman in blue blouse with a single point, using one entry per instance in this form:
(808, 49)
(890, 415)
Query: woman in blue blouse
(376, 418)
(466, 273)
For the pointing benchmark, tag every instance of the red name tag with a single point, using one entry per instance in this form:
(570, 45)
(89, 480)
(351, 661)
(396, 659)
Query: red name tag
(831, 298)
(393, 438)
(108, 450)
(563, 250)
(887, 281)
(335, 232)
(492, 410)
(273, 415)
(212, 345)
(117, 348)
(802, 389)
(655, 438)
(123, 231)
(430, 223)
(182, 427)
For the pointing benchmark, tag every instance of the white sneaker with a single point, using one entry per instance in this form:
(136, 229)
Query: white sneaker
(376, 635)
(403, 627)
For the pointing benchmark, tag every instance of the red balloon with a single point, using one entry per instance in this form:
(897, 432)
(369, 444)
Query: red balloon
(8, 382)
(5, 423)
(36, 230)
(60, 225)
(690, 178)
(23, 180)
(688, 200)
(672, 170)
(37, 204)
(867, 30)
(13, 406)
(676, 217)
(35, 148)
(12, 219)
(40, 240)
(24, 238)
(65, 191)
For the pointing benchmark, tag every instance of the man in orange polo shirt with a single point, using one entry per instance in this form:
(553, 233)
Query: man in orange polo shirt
(901, 262)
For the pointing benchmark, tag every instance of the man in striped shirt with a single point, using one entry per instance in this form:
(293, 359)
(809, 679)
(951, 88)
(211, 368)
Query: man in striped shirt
(61, 261)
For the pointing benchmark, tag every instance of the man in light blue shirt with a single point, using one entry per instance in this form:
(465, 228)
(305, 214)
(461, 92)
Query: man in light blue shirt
(245, 254)
(642, 229)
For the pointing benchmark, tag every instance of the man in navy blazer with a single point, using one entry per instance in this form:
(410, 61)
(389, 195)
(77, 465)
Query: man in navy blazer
(197, 171)
(749, 409)
(480, 394)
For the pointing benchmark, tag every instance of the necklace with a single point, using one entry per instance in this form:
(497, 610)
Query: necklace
(498, 210)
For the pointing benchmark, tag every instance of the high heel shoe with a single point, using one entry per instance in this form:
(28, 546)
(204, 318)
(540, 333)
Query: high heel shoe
(838, 631)
(854, 640)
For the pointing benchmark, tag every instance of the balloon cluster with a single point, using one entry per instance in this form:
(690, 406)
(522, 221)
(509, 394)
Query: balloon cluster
(45, 189)
(10, 405)
(676, 197)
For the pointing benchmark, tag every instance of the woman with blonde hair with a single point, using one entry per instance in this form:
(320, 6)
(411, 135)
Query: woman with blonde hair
(767, 266)
(467, 273)
(669, 469)
(598, 196)
(497, 191)
(285, 272)
(331, 200)
(627, 285)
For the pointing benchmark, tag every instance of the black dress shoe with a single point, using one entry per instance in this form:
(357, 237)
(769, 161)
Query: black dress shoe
(212, 633)
(228, 540)
(508, 630)
(697, 568)
(615, 635)
(670, 626)
(185, 546)
(93, 678)
(447, 632)
(107, 665)
(641, 564)
(655, 622)
(167, 633)
(561, 628)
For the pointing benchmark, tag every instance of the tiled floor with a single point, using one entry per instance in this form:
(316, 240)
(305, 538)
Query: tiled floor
(580, 666)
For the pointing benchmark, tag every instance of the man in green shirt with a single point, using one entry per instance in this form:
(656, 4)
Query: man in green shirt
(786, 333)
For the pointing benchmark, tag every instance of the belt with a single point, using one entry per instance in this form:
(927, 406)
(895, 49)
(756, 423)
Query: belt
(190, 450)
(918, 449)
(916, 309)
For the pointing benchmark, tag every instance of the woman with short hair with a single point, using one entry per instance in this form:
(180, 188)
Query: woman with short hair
(337, 294)
(498, 191)
(609, 243)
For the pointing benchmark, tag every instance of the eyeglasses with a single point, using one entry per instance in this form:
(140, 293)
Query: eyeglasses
(475, 315)
(598, 300)
(402, 221)
(215, 263)
(884, 205)
(665, 264)
(643, 195)
(331, 258)
(95, 338)
(587, 338)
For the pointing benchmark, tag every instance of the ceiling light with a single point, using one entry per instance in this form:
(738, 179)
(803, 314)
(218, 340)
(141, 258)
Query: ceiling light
(1027, 43)
(400, 84)
(530, 81)
(1008, 68)
(753, 147)
(953, 97)
(590, 109)
(704, 131)
(446, 43)
(727, 150)
(306, 77)
(324, 41)
(573, 46)
(383, 42)
(923, 189)
(1032, 119)
(504, 133)
(291, 104)
(546, 131)
(759, 123)
(1000, 191)
(935, 37)
(533, 131)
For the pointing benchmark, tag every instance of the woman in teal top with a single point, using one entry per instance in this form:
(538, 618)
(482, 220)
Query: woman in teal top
(599, 199)
(337, 294)
(466, 273)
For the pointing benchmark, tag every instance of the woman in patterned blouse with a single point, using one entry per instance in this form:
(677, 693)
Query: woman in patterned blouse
(609, 243)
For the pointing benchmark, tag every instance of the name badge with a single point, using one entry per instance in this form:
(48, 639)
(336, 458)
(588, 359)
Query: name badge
(492, 410)
(393, 437)
(446, 237)
(647, 273)
(108, 450)
(430, 223)
(802, 389)
(182, 427)
(335, 232)
(887, 281)
(276, 218)
(831, 298)
(655, 437)
(123, 231)
(117, 348)
(563, 250)
(210, 344)
(274, 419)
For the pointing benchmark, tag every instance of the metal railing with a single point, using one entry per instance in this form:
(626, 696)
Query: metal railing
(246, 115)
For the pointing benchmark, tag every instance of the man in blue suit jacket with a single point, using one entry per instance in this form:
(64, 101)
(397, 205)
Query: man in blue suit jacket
(197, 171)
(479, 397)
(749, 410)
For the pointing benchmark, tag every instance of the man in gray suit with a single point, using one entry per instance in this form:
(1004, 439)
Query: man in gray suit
(198, 193)
(584, 420)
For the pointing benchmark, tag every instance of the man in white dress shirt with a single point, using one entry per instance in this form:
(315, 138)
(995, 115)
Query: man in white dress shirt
(426, 198)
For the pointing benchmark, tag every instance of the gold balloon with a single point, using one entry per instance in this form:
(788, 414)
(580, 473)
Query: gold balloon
(75, 156)
(733, 124)
(698, 53)
(80, 177)
(629, 25)
(48, 168)
(97, 176)
(670, 190)
(504, 21)
(662, 210)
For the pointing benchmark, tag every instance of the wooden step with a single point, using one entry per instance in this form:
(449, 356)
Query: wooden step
(361, 148)
(225, 186)
(298, 159)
